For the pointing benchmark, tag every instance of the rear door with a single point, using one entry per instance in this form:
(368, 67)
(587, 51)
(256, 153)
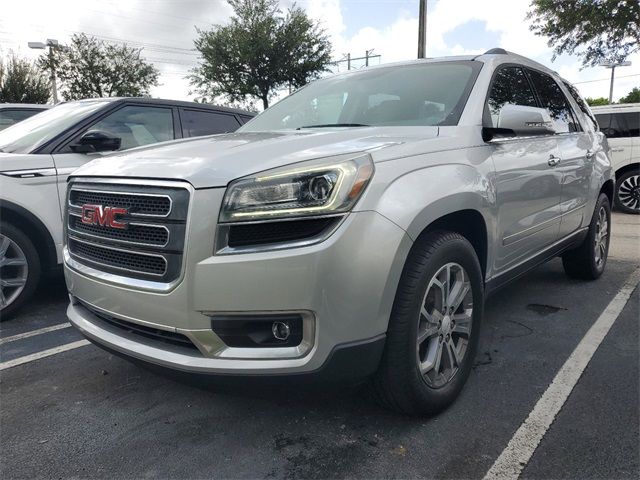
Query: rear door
(576, 154)
(528, 187)
(196, 122)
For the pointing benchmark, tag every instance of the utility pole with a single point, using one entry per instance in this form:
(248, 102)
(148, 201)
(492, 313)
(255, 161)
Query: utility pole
(51, 43)
(612, 66)
(422, 29)
(368, 55)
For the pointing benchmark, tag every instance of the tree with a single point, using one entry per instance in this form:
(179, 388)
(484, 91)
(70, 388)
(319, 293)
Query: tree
(90, 68)
(595, 30)
(22, 82)
(632, 97)
(593, 102)
(260, 51)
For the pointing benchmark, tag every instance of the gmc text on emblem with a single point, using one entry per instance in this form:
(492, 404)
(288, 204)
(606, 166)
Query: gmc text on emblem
(104, 216)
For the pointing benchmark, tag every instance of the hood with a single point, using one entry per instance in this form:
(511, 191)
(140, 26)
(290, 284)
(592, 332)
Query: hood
(216, 160)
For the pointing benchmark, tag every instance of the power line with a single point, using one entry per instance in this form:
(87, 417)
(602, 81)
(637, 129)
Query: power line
(606, 79)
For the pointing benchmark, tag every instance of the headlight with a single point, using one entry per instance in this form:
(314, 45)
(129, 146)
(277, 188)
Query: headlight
(318, 187)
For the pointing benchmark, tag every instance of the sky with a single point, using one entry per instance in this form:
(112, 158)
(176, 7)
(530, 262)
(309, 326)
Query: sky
(165, 29)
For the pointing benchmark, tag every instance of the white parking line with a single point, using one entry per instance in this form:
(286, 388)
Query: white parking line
(33, 333)
(45, 353)
(524, 442)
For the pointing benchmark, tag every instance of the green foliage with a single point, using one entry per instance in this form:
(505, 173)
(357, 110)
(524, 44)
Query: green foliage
(593, 102)
(260, 51)
(22, 82)
(595, 30)
(632, 97)
(90, 68)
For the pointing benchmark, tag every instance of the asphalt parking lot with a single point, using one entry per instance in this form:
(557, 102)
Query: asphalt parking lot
(83, 413)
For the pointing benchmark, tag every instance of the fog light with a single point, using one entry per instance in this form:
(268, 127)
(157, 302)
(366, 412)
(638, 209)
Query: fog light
(281, 330)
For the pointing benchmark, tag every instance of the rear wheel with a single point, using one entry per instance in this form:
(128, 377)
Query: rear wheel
(434, 326)
(628, 192)
(19, 269)
(589, 259)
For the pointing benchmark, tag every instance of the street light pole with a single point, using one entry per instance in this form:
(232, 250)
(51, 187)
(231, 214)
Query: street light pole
(422, 29)
(51, 43)
(612, 66)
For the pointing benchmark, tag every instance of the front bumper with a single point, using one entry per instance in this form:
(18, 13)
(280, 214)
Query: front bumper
(345, 287)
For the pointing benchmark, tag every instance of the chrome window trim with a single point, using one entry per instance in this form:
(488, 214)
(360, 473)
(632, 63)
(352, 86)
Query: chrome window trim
(135, 252)
(128, 242)
(133, 194)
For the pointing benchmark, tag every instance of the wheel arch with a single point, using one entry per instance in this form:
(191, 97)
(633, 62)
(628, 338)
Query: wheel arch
(627, 168)
(34, 228)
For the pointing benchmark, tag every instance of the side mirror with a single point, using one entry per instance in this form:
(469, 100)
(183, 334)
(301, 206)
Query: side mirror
(96, 141)
(520, 120)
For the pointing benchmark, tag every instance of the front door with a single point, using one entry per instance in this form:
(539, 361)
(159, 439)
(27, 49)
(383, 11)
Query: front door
(528, 185)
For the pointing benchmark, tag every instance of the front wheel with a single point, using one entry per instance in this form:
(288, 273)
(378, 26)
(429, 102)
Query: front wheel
(19, 269)
(434, 326)
(587, 262)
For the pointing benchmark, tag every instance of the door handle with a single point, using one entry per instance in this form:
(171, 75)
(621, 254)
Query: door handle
(589, 154)
(553, 161)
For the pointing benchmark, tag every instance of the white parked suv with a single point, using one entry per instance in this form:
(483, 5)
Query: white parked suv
(353, 229)
(621, 125)
(38, 154)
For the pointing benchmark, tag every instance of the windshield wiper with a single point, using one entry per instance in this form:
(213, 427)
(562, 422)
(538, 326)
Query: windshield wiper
(325, 125)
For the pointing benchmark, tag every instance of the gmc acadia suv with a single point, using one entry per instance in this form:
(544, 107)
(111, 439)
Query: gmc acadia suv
(353, 229)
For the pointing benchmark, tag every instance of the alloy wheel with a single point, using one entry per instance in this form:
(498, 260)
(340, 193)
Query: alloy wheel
(629, 192)
(444, 325)
(13, 271)
(601, 240)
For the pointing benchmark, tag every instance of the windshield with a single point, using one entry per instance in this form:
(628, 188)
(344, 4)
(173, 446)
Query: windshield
(424, 94)
(26, 136)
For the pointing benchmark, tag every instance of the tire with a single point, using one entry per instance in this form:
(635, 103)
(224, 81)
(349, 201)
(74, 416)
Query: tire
(408, 379)
(627, 196)
(585, 262)
(19, 269)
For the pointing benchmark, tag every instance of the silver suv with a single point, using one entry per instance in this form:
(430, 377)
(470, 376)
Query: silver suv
(352, 230)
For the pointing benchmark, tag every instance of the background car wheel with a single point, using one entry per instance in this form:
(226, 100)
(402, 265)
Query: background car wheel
(628, 192)
(434, 326)
(19, 269)
(587, 262)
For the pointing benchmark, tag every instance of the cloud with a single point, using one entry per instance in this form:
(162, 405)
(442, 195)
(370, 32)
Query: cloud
(166, 30)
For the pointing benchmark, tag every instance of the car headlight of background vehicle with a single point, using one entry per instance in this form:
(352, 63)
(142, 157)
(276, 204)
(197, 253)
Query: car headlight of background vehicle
(291, 205)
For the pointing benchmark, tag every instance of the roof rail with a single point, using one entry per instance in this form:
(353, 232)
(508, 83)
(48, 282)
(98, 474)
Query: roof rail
(496, 51)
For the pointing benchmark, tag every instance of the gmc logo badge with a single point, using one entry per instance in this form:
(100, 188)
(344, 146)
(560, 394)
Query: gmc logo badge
(105, 216)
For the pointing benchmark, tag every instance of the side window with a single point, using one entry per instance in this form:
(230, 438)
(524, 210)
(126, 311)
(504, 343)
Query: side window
(552, 98)
(581, 103)
(633, 123)
(9, 117)
(196, 123)
(138, 125)
(510, 86)
(613, 125)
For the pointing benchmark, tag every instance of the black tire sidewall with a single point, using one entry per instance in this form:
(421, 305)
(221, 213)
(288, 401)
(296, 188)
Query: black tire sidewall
(33, 263)
(424, 398)
(618, 203)
(603, 200)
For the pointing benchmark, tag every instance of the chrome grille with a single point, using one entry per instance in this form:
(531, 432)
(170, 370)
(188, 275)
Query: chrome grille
(138, 233)
(151, 245)
(145, 204)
